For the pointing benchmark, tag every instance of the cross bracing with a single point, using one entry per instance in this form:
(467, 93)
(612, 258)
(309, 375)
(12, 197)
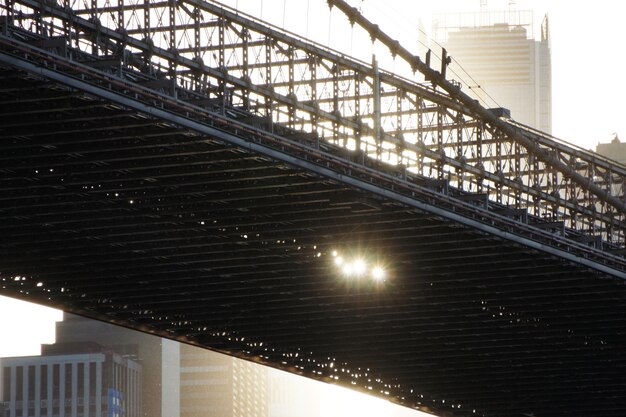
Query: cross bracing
(226, 57)
(182, 189)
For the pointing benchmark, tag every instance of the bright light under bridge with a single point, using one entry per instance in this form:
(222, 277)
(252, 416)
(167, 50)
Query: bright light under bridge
(359, 266)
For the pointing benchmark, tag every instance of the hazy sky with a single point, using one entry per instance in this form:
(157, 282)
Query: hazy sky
(24, 326)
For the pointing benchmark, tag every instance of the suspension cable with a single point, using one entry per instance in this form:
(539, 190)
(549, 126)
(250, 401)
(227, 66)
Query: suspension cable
(454, 90)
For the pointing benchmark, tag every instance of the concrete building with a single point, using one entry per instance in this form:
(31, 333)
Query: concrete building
(217, 385)
(615, 150)
(159, 357)
(73, 380)
(506, 64)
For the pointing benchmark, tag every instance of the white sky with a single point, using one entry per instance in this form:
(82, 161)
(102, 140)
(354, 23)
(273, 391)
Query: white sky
(24, 327)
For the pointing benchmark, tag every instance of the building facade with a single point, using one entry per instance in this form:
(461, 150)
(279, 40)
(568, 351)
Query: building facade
(615, 150)
(507, 67)
(178, 380)
(217, 385)
(64, 383)
(159, 357)
(95, 369)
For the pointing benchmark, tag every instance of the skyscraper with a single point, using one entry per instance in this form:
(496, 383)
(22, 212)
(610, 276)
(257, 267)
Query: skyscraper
(507, 67)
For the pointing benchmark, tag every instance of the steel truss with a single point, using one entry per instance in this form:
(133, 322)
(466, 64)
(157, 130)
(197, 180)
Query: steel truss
(215, 57)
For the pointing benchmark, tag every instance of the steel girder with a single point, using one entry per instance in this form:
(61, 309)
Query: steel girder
(234, 60)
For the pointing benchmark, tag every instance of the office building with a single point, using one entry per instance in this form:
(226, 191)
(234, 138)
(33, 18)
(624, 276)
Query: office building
(507, 67)
(159, 357)
(73, 380)
(217, 385)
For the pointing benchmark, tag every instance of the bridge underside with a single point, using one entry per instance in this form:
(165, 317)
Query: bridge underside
(118, 215)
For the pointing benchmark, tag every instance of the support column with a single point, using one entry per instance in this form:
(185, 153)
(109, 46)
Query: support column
(419, 157)
(268, 80)
(292, 91)
(25, 393)
(245, 38)
(37, 390)
(13, 394)
(50, 396)
(357, 116)
(377, 123)
(336, 106)
(75, 388)
(86, 393)
(313, 85)
(440, 148)
(98, 389)
(61, 383)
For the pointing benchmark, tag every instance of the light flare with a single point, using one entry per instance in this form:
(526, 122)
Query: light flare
(378, 274)
(358, 267)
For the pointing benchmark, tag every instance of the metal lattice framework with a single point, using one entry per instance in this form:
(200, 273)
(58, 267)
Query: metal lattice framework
(233, 61)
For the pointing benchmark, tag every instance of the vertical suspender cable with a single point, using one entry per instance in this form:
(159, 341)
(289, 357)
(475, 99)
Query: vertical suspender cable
(284, 12)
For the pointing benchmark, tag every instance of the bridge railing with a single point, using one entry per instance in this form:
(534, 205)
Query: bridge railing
(217, 58)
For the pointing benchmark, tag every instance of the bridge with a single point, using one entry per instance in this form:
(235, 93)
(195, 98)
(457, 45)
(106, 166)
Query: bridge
(184, 169)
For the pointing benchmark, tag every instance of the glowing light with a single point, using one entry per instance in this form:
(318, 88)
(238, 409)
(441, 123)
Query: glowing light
(378, 273)
(359, 267)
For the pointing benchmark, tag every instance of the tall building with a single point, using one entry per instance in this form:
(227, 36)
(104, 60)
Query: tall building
(73, 380)
(217, 385)
(506, 64)
(159, 357)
